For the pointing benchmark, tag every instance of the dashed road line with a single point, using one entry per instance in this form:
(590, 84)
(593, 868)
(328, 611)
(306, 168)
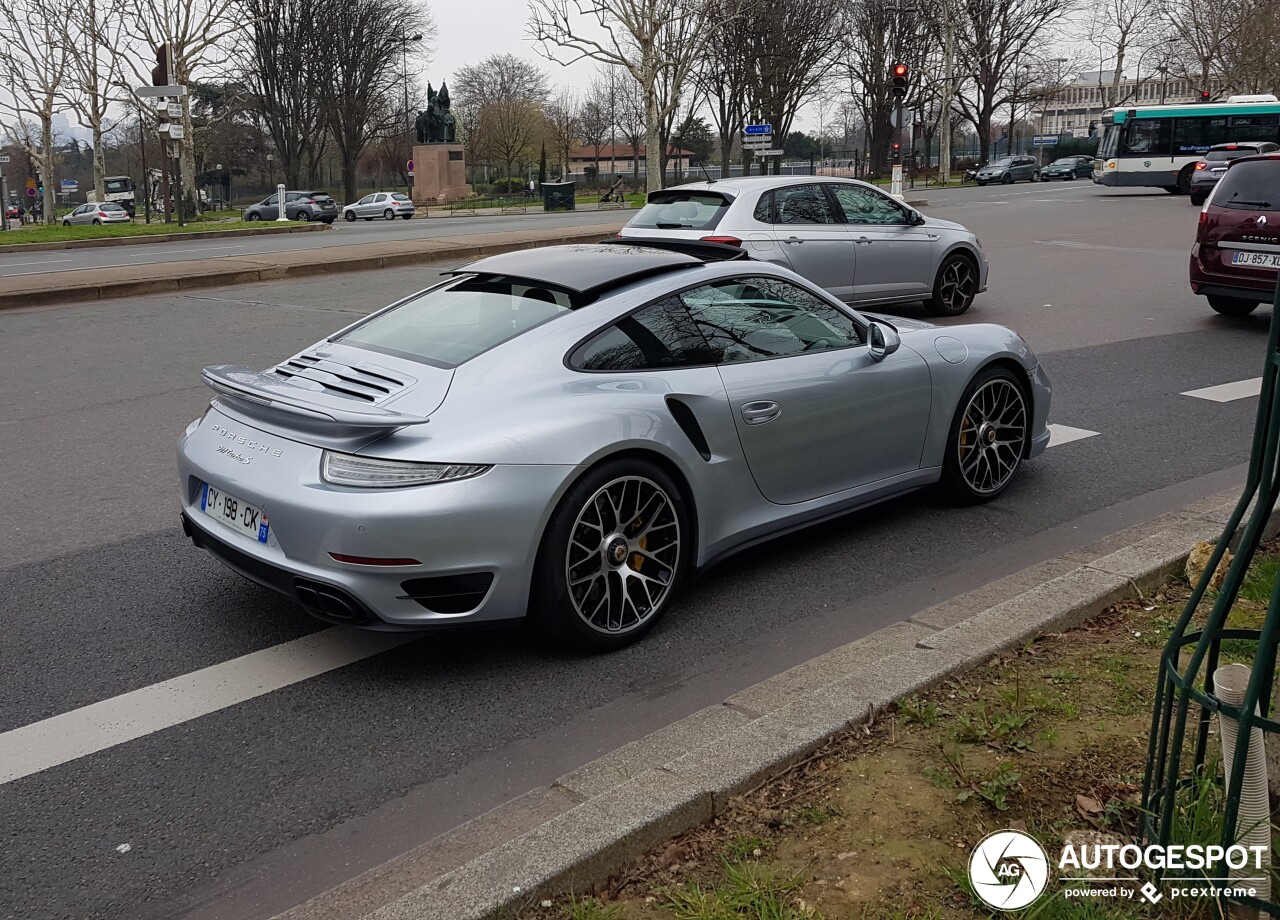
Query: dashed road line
(1228, 392)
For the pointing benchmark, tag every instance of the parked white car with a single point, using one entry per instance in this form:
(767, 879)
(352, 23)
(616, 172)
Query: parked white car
(387, 205)
(97, 212)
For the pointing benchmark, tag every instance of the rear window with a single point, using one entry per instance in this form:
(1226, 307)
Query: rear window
(110, 206)
(1217, 156)
(400, 196)
(1252, 185)
(681, 210)
(450, 325)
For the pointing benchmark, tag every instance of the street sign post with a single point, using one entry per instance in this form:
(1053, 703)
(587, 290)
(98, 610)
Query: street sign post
(161, 91)
(757, 129)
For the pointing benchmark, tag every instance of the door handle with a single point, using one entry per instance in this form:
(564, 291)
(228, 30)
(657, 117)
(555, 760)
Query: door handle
(864, 241)
(760, 411)
(793, 239)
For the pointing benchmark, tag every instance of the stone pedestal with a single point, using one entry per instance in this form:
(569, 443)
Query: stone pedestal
(439, 172)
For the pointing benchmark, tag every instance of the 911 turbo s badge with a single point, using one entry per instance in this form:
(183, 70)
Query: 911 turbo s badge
(239, 458)
(247, 443)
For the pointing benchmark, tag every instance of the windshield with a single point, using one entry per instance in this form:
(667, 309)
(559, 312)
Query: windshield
(1003, 161)
(118, 185)
(1110, 141)
(449, 325)
(1065, 161)
(681, 210)
(1252, 185)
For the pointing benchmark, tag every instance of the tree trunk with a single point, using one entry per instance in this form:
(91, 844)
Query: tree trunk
(652, 140)
(46, 167)
(349, 176)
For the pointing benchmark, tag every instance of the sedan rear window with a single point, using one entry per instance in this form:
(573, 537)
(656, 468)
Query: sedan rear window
(681, 210)
(1252, 185)
(1217, 156)
(449, 325)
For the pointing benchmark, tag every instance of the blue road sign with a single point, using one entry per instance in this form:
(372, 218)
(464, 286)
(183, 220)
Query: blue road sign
(1044, 140)
(758, 129)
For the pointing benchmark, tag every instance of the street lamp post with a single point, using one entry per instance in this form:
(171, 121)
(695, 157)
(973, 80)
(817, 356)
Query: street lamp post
(1164, 73)
(1137, 89)
(1057, 94)
(404, 61)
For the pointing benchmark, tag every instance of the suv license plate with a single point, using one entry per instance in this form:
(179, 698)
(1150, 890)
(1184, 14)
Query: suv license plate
(1256, 259)
(235, 513)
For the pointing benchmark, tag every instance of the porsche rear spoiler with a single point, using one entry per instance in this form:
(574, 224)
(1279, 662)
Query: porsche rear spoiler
(269, 390)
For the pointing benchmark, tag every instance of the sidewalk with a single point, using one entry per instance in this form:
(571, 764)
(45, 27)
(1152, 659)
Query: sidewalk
(593, 822)
(130, 280)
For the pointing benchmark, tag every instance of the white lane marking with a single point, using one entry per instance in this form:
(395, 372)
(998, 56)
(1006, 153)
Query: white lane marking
(105, 724)
(1065, 434)
(1227, 392)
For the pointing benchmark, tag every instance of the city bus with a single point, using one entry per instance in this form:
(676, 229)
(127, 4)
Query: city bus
(1157, 146)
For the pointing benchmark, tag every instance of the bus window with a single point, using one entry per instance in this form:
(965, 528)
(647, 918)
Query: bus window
(1110, 141)
(1196, 135)
(1149, 137)
(1253, 128)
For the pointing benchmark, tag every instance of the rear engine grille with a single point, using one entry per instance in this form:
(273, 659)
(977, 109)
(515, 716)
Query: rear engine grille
(449, 593)
(365, 382)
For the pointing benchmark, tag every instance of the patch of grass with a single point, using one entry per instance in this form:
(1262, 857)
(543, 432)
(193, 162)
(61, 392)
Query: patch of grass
(589, 908)
(750, 890)
(62, 234)
(743, 847)
(813, 815)
(1260, 578)
(990, 726)
(917, 711)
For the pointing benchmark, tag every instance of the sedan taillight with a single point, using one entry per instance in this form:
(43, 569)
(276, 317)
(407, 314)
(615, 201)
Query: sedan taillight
(726, 240)
(1201, 165)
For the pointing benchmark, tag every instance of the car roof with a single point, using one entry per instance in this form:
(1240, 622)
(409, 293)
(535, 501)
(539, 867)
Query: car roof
(583, 268)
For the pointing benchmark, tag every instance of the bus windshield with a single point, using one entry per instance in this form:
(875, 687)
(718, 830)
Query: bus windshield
(1110, 141)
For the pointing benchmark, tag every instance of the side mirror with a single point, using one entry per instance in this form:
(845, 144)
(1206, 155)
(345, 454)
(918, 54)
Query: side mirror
(915, 218)
(882, 341)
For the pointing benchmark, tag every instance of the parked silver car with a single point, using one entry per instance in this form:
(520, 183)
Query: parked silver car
(571, 432)
(387, 205)
(95, 212)
(849, 237)
(301, 205)
(1008, 170)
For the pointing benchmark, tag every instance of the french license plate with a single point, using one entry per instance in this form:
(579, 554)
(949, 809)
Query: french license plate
(235, 513)
(1256, 259)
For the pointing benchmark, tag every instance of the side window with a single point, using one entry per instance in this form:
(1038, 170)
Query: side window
(1147, 136)
(379, 198)
(863, 206)
(367, 199)
(292, 196)
(271, 200)
(802, 204)
(1198, 134)
(754, 318)
(657, 336)
(764, 208)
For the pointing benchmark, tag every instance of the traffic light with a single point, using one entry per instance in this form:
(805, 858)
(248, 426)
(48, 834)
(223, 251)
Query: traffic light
(160, 73)
(900, 76)
(1205, 95)
(897, 150)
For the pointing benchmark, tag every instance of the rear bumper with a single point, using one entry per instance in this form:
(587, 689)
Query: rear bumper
(1220, 284)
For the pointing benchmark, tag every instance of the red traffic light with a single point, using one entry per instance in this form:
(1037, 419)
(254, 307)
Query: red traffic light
(1205, 95)
(899, 70)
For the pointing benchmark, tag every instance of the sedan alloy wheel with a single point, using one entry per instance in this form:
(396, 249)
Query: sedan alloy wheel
(954, 289)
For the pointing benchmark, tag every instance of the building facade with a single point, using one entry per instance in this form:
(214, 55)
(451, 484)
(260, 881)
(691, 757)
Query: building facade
(1079, 104)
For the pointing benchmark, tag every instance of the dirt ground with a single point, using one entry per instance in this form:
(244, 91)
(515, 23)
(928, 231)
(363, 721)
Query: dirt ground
(1049, 739)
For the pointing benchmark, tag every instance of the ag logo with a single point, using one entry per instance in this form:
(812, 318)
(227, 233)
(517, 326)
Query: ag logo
(1008, 870)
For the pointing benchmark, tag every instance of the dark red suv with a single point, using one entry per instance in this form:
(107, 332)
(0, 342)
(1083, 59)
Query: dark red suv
(1236, 256)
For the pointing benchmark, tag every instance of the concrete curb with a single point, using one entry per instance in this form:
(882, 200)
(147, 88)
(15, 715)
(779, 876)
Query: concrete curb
(292, 227)
(330, 264)
(593, 821)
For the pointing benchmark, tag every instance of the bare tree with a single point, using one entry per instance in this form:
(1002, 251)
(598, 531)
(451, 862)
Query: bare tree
(564, 127)
(499, 76)
(993, 39)
(36, 61)
(193, 31)
(725, 73)
(658, 42)
(509, 129)
(282, 73)
(786, 72)
(360, 74)
(1118, 28)
(1251, 56)
(95, 73)
(1202, 31)
(594, 121)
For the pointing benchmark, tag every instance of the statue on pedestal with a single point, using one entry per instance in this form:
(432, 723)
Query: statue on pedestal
(437, 125)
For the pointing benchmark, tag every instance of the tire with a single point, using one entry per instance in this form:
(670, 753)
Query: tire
(1184, 180)
(66, 223)
(1231, 306)
(349, 217)
(980, 184)
(303, 216)
(583, 614)
(96, 222)
(328, 221)
(253, 215)
(954, 287)
(389, 214)
(407, 216)
(1007, 180)
(1198, 198)
(370, 219)
(988, 437)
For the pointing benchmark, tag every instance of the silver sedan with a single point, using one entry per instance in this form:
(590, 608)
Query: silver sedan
(387, 205)
(849, 237)
(97, 213)
(571, 432)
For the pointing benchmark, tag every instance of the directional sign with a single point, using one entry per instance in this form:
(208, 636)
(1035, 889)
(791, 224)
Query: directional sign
(757, 142)
(771, 153)
(69, 185)
(748, 145)
(3, 158)
(170, 91)
(1044, 140)
(173, 110)
(757, 129)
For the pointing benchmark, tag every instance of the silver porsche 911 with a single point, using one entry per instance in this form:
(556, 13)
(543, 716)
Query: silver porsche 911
(572, 432)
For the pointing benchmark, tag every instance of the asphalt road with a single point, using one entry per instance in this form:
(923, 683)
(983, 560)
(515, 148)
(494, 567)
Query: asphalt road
(341, 235)
(254, 807)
